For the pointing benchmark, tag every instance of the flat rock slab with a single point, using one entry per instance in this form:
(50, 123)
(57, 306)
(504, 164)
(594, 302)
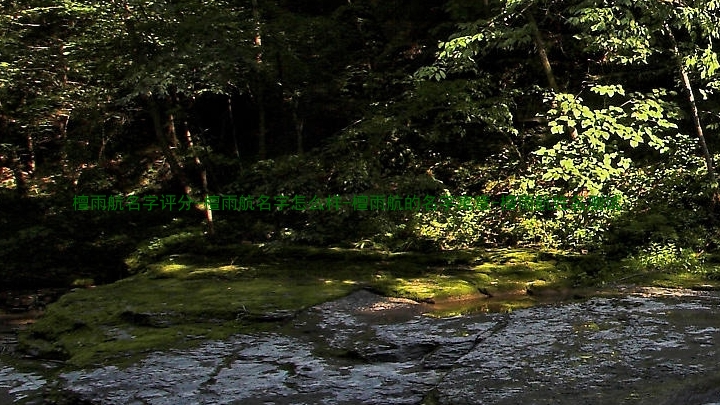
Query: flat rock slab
(364, 349)
(602, 351)
(360, 349)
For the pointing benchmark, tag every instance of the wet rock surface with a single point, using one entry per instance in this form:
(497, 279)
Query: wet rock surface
(643, 348)
(17, 387)
(18, 309)
(634, 350)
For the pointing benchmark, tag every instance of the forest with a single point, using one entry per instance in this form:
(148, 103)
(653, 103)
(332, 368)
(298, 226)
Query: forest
(144, 138)
(472, 105)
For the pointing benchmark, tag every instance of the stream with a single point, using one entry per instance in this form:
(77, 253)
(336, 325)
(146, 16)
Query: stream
(650, 346)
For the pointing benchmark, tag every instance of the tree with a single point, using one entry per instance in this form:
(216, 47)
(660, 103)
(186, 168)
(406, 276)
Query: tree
(624, 35)
(591, 87)
(38, 89)
(165, 56)
(637, 32)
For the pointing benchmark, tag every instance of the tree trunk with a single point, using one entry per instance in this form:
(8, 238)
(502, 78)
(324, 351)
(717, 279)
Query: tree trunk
(233, 130)
(262, 129)
(693, 106)
(12, 160)
(164, 138)
(165, 130)
(299, 123)
(62, 121)
(167, 135)
(203, 179)
(545, 61)
(542, 52)
(260, 96)
(172, 133)
(31, 154)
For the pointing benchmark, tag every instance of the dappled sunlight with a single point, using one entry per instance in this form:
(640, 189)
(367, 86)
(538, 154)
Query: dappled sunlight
(227, 271)
(428, 287)
(170, 269)
(445, 158)
(343, 282)
(184, 296)
(516, 255)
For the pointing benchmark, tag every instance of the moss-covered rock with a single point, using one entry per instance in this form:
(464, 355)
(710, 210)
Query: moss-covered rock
(182, 298)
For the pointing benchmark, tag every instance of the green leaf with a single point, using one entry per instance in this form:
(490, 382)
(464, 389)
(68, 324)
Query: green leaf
(666, 124)
(567, 164)
(608, 90)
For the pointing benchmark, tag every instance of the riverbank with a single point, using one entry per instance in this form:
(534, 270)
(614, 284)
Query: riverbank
(644, 346)
(177, 300)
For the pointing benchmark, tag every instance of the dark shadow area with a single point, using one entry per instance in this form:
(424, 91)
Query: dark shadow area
(46, 243)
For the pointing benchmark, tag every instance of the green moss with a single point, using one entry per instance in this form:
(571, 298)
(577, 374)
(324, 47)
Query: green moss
(516, 274)
(697, 280)
(212, 292)
(155, 313)
(503, 256)
(427, 287)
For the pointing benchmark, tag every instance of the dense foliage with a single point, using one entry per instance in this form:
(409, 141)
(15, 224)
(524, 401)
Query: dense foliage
(462, 101)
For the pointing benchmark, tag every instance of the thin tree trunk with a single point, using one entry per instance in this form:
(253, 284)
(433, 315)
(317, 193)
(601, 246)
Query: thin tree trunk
(63, 121)
(168, 140)
(260, 99)
(165, 131)
(545, 61)
(12, 160)
(171, 132)
(233, 130)
(542, 52)
(693, 105)
(103, 145)
(167, 136)
(262, 129)
(31, 153)
(162, 136)
(203, 179)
